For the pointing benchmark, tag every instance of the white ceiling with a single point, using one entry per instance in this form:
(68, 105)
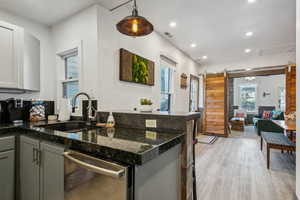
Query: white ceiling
(218, 27)
(45, 11)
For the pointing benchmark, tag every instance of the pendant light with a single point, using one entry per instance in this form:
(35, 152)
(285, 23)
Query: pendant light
(135, 25)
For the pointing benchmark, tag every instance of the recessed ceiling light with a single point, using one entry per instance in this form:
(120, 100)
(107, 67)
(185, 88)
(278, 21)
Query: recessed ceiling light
(248, 50)
(193, 45)
(204, 57)
(248, 69)
(249, 34)
(251, 1)
(173, 24)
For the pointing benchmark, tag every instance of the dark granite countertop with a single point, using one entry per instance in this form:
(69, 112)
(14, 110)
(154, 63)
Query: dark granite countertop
(130, 146)
(158, 114)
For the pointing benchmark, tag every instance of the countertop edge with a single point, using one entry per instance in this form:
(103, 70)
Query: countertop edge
(96, 149)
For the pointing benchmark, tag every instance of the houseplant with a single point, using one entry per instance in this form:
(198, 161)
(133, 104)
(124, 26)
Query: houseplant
(146, 105)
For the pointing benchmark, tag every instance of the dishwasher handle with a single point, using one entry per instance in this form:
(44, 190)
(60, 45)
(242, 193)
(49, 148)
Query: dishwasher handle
(100, 170)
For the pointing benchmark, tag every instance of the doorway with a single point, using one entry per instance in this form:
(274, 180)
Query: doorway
(254, 95)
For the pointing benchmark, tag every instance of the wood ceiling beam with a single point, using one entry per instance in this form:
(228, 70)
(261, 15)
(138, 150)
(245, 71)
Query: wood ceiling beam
(266, 71)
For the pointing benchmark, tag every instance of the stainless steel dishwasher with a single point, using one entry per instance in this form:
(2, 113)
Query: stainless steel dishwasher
(89, 178)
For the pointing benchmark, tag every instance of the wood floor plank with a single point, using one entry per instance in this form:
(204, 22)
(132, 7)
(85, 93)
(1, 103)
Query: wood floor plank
(234, 168)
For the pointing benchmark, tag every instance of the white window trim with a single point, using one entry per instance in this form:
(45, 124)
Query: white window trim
(76, 48)
(256, 96)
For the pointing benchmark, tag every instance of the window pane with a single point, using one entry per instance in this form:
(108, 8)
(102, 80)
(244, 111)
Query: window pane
(248, 98)
(194, 95)
(72, 67)
(165, 102)
(165, 79)
(166, 72)
(70, 89)
(282, 99)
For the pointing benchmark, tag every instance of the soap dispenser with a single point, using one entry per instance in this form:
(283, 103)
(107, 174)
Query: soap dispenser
(110, 121)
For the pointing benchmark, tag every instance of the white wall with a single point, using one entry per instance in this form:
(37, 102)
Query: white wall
(116, 94)
(268, 84)
(298, 103)
(95, 29)
(48, 74)
(252, 62)
(79, 31)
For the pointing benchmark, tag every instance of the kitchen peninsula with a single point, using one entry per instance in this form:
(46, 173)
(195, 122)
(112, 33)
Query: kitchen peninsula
(185, 122)
(151, 155)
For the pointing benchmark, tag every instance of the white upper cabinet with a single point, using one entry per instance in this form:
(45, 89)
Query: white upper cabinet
(19, 59)
(8, 56)
(31, 63)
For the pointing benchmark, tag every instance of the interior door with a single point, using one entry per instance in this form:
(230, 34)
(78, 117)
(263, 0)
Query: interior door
(194, 93)
(215, 110)
(290, 89)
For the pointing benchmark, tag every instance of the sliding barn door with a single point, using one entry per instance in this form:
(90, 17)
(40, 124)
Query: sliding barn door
(290, 89)
(215, 114)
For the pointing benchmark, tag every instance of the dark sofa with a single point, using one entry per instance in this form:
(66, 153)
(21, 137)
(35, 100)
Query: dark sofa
(267, 125)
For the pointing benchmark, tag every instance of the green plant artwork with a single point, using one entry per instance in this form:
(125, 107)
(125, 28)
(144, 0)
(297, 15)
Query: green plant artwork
(140, 69)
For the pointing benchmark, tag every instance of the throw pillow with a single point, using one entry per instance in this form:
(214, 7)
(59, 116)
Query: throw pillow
(240, 115)
(267, 115)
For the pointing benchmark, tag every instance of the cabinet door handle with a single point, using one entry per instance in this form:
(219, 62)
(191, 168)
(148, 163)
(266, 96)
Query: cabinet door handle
(39, 157)
(33, 155)
(4, 157)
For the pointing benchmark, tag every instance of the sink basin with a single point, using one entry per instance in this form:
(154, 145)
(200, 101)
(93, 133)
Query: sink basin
(68, 126)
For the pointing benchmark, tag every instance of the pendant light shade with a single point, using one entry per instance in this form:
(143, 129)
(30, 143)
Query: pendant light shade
(135, 25)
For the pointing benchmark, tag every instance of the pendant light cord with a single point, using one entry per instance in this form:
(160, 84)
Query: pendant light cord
(134, 11)
(121, 5)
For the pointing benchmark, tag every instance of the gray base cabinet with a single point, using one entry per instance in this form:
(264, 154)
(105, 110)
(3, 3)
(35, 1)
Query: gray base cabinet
(52, 172)
(160, 178)
(29, 169)
(7, 168)
(7, 175)
(41, 170)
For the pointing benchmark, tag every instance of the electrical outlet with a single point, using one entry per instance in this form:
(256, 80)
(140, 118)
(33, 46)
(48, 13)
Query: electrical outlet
(151, 123)
(151, 135)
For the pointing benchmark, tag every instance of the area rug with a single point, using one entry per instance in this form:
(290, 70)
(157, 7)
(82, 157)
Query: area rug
(206, 139)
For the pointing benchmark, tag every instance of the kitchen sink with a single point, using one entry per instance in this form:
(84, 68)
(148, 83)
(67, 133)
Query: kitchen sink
(69, 126)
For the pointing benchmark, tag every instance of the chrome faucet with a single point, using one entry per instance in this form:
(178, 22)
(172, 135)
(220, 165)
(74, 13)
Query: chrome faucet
(90, 108)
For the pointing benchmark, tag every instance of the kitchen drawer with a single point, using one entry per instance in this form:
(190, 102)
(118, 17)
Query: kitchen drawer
(7, 143)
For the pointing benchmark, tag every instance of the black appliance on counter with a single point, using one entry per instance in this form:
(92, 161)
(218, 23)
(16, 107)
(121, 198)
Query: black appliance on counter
(17, 109)
(3, 111)
(14, 109)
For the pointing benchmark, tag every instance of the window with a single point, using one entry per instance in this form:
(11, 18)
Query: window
(194, 93)
(248, 98)
(70, 84)
(201, 91)
(281, 100)
(166, 78)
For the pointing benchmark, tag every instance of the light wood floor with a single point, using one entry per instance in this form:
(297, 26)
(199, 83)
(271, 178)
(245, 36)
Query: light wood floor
(235, 169)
